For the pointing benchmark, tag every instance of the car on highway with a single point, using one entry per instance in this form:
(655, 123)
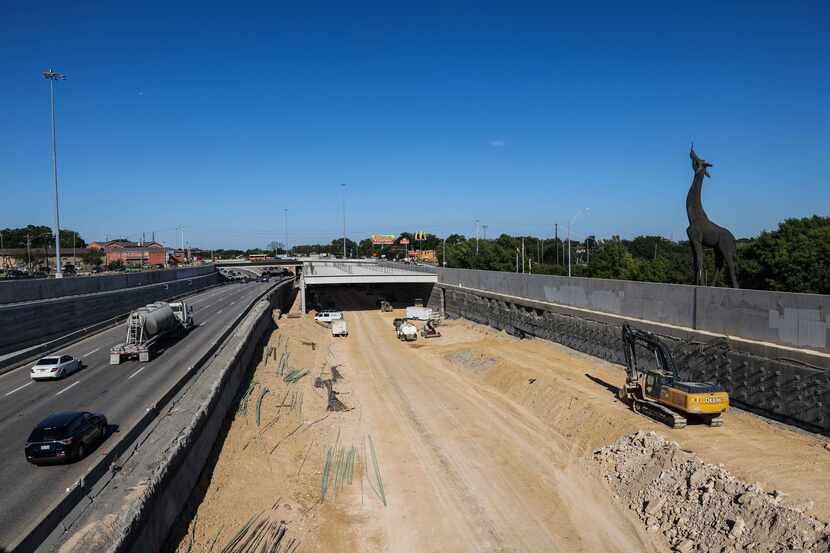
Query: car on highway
(54, 366)
(65, 436)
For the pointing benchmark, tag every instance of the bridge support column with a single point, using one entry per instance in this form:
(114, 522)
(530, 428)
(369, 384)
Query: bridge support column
(302, 295)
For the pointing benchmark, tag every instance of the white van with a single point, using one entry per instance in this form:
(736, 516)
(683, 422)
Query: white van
(328, 316)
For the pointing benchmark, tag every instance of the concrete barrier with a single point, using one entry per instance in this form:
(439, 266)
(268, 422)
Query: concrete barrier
(32, 323)
(783, 318)
(17, 291)
(235, 346)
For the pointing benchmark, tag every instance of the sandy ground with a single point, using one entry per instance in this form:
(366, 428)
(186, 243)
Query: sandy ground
(481, 443)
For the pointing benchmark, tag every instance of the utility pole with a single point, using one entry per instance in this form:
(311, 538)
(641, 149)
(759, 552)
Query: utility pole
(53, 76)
(343, 186)
(523, 254)
(476, 236)
(517, 260)
(444, 256)
(556, 241)
(29, 252)
(569, 247)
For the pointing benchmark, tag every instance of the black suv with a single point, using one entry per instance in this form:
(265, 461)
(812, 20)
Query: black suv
(65, 437)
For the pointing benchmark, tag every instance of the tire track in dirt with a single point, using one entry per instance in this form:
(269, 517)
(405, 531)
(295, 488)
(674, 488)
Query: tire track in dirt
(508, 468)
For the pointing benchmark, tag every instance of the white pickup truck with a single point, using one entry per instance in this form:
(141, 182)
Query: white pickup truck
(339, 328)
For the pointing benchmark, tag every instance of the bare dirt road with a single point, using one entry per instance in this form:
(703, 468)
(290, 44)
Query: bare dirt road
(474, 441)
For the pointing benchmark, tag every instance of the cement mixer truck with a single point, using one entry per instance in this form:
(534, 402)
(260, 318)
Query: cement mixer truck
(149, 325)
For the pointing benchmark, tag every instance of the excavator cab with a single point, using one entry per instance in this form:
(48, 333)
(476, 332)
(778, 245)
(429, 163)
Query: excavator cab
(658, 392)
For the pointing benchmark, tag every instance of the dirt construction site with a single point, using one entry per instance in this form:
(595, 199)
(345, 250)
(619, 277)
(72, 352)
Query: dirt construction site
(481, 441)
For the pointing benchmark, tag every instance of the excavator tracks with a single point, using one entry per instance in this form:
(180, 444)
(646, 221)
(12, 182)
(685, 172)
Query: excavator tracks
(659, 413)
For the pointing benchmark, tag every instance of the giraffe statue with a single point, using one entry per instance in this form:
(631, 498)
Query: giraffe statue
(703, 232)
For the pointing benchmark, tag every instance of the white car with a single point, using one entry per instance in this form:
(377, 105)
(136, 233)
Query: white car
(328, 316)
(56, 366)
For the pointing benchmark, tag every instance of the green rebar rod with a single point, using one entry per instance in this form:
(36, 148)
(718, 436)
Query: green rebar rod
(377, 470)
(259, 404)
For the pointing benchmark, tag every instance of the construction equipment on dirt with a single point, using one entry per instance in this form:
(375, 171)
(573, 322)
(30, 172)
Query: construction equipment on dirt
(385, 306)
(149, 325)
(659, 393)
(407, 332)
(429, 330)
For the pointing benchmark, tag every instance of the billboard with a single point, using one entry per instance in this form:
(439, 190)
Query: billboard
(404, 241)
(383, 239)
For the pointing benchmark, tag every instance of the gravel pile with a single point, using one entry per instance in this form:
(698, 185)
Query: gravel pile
(701, 507)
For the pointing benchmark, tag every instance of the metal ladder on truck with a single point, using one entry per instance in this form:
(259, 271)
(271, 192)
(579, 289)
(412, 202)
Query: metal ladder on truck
(134, 329)
(133, 343)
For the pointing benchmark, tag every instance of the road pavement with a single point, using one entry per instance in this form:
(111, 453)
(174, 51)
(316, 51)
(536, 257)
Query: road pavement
(121, 392)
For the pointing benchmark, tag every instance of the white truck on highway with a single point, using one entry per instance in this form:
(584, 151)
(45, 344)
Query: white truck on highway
(148, 325)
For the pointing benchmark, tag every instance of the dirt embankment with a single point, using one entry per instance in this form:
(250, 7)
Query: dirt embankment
(474, 441)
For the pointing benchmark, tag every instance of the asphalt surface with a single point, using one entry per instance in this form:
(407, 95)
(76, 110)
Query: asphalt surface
(121, 392)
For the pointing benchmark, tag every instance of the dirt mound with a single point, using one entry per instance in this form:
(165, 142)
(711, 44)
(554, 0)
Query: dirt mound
(701, 507)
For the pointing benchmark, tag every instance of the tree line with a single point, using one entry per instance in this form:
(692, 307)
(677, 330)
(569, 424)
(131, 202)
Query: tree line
(795, 257)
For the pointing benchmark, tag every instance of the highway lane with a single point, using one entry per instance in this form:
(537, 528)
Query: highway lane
(122, 392)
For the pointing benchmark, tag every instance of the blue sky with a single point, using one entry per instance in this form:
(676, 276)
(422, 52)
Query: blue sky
(218, 116)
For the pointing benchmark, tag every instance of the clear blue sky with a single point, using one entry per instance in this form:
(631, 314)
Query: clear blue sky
(218, 116)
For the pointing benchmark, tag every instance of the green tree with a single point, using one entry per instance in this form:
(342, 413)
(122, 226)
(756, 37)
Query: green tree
(93, 257)
(612, 259)
(793, 258)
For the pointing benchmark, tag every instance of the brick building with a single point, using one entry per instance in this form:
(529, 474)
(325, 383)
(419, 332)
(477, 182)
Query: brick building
(132, 253)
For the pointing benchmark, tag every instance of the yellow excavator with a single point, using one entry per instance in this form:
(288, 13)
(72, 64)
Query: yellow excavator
(659, 393)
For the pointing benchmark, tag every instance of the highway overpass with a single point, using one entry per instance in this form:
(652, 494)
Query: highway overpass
(316, 274)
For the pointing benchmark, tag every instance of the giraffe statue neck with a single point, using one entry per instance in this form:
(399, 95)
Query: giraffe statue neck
(694, 206)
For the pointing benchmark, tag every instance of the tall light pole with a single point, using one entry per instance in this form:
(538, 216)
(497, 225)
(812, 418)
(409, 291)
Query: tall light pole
(476, 236)
(53, 76)
(285, 230)
(343, 186)
(570, 222)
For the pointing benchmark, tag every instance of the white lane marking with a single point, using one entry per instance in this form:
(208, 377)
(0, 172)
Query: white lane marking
(70, 386)
(91, 352)
(136, 372)
(219, 311)
(20, 388)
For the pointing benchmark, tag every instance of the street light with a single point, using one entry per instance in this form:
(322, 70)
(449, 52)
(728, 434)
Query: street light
(53, 76)
(570, 222)
(343, 186)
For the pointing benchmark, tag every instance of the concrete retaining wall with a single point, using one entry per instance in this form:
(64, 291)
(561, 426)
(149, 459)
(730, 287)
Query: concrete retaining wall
(766, 380)
(28, 324)
(15, 291)
(795, 320)
(164, 472)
